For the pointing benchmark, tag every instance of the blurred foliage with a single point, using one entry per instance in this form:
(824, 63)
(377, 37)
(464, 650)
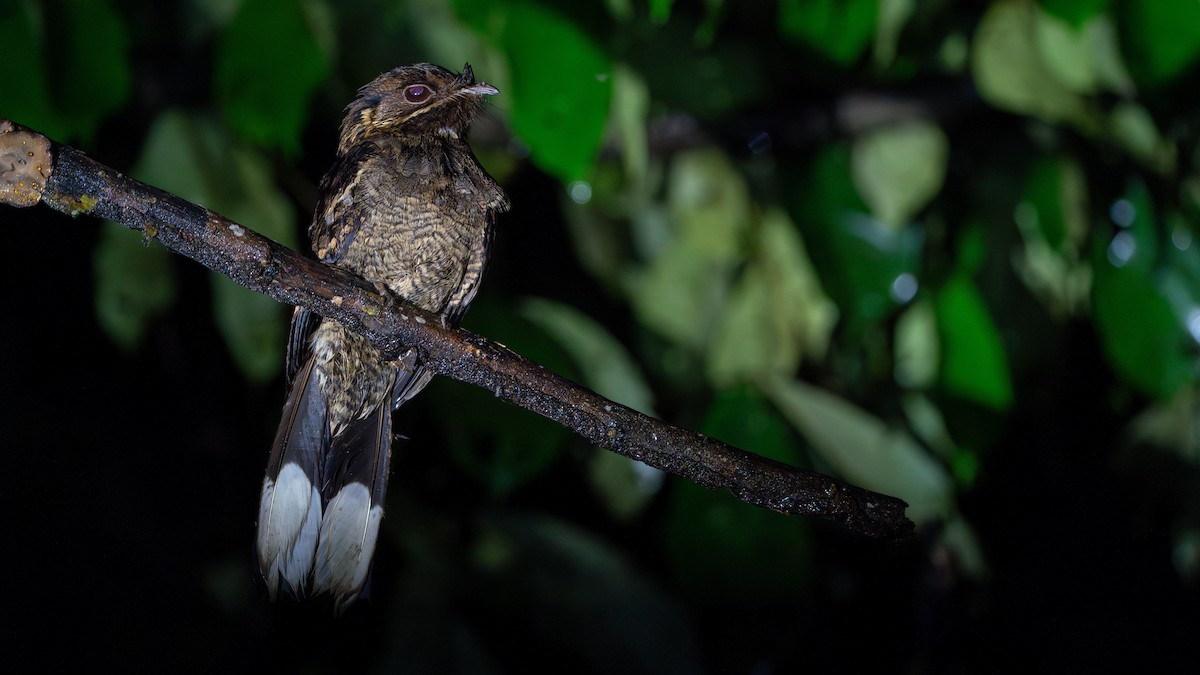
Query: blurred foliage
(721, 549)
(862, 236)
(268, 62)
(194, 158)
(69, 63)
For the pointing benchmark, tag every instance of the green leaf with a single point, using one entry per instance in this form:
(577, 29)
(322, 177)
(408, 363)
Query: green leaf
(500, 445)
(88, 76)
(497, 443)
(971, 253)
(606, 366)
(1133, 127)
(558, 106)
(1180, 283)
(917, 350)
(600, 230)
(1075, 12)
(631, 105)
(776, 312)
(134, 283)
(622, 10)
(1084, 58)
(709, 203)
(974, 365)
(724, 549)
(1140, 331)
(1135, 243)
(561, 83)
(1065, 53)
(268, 63)
(959, 538)
(713, 83)
(1053, 221)
(859, 259)
(893, 16)
(627, 486)
(1183, 256)
(1162, 38)
(95, 77)
(863, 450)
(898, 169)
(660, 10)
(1172, 424)
(252, 324)
(1056, 194)
(171, 161)
(1147, 305)
(707, 30)
(680, 292)
(253, 327)
(26, 90)
(193, 158)
(928, 424)
(747, 340)
(1009, 72)
(838, 29)
(744, 418)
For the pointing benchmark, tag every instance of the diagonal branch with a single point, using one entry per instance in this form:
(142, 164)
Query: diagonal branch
(33, 169)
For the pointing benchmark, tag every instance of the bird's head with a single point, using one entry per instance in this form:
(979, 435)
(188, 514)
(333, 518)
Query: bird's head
(416, 100)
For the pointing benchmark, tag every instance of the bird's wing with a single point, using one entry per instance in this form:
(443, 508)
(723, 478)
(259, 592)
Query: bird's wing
(342, 209)
(304, 323)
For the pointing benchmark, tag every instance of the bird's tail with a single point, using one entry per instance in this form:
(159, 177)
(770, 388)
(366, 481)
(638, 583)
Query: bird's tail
(322, 497)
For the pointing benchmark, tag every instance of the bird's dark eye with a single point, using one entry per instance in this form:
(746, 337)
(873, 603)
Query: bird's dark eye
(417, 93)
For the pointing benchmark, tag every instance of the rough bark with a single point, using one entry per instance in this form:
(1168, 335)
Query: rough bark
(34, 169)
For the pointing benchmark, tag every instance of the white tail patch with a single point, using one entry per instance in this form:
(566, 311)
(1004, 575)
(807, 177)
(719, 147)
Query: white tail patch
(289, 518)
(349, 531)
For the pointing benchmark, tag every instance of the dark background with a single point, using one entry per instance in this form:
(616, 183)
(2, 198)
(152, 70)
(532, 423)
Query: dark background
(1065, 536)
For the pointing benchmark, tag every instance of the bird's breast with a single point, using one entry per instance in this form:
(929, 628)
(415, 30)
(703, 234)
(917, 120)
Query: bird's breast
(417, 248)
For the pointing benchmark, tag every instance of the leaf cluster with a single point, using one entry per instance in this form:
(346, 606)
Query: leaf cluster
(885, 238)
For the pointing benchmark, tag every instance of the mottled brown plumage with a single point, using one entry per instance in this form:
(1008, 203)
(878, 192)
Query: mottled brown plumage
(408, 207)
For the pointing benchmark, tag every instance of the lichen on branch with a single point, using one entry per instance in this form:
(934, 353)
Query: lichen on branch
(25, 164)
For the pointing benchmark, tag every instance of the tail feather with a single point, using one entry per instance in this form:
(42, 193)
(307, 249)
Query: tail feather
(289, 521)
(346, 545)
(322, 498)
(290, 512)
(356, 473)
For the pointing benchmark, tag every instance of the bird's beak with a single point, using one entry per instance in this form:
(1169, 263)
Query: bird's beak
(481, 89)
(470, 86)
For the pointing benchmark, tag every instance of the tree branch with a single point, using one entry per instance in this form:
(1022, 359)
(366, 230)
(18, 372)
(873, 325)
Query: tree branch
(33, 169)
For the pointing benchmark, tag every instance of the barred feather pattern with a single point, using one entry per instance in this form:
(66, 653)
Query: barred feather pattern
(408, 207)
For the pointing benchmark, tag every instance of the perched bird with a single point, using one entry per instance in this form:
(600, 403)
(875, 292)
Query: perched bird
(406, 206)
